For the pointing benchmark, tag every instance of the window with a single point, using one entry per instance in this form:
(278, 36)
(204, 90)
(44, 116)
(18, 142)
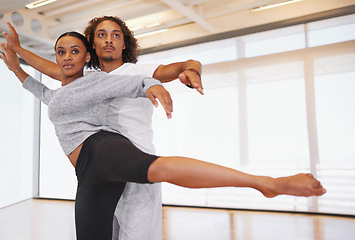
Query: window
(275, 41)
(276, 103)
(284, 105)
(333, 30)
(57, 175)
(335, 104)
(277, 129)
(206, 53)
(17, 146)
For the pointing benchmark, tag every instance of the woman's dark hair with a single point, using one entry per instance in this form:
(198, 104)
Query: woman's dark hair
(78, 36)
(129, 54)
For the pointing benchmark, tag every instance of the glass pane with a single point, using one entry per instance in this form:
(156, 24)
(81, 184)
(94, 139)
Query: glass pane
(277, 126)
(202, 127)
(57, 175)
(335, 105)
(195, 118)
(17, 123)
(206, 53)
(274, 41)
(331, 31)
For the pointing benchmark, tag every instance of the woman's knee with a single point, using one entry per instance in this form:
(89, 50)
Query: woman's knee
(157, 171)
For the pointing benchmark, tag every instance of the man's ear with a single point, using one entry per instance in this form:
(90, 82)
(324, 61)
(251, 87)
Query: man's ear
(124, 46)
(88, 57)
(93, 46)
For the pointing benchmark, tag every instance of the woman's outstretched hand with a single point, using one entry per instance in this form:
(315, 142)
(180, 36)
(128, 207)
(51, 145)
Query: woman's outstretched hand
(12, 62)
(12, 39)
(164, 98)
(10, 57)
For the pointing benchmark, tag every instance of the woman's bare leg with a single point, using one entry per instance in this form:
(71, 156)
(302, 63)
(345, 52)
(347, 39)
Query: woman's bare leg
(192, 173)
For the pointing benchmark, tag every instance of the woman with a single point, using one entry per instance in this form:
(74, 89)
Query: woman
(104, 160)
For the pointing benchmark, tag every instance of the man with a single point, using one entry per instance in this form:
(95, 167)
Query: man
(138, 213)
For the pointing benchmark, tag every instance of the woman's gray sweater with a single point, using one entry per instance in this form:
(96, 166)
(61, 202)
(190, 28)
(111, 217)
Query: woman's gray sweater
(78, 110)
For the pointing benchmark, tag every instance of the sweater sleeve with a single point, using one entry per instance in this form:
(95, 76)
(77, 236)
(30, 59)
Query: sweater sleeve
(126, 85)
(150, 82)
(38, 89)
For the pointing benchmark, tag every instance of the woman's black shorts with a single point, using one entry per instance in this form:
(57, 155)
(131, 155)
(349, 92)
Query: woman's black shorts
(106, 162)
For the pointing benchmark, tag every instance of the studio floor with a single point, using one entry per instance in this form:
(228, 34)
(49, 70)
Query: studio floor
(39, 219)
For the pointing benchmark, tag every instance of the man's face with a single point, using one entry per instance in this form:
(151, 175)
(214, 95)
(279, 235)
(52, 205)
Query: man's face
(109, 41)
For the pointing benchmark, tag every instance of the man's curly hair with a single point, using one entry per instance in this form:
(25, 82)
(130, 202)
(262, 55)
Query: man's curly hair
(129, 54)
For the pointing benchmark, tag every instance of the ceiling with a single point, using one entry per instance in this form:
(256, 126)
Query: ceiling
(177, 20)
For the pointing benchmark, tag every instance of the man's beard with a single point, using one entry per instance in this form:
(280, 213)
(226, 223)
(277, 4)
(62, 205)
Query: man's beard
(108, 59)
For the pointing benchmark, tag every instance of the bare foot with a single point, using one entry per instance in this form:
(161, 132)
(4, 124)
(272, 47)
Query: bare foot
(297, 185)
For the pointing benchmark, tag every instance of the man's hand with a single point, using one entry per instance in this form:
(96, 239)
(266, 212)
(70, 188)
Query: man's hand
(164, 98)
(188, 72)
(12, 39)
(192, 78)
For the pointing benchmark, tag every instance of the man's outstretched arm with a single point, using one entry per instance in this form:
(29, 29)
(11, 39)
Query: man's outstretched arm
(188, 72)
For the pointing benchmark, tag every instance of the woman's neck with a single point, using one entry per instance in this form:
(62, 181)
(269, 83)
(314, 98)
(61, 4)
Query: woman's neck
(67, 80)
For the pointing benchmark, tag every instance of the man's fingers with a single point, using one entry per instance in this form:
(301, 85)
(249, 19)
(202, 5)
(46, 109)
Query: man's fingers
(196, 81)
(183, 78)
(190, 78)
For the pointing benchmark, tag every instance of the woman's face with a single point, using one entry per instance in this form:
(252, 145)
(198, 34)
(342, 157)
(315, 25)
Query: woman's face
(71, 55)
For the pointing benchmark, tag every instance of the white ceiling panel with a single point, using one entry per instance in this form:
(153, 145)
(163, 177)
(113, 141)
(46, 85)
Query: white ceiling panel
(182, 19)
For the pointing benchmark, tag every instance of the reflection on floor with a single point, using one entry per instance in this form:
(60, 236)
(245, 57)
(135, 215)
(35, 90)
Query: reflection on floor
(54, 220)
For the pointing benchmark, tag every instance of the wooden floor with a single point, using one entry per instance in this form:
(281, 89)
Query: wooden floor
(54, 220)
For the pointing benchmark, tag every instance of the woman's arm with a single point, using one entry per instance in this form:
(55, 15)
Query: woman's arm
(188, 72)
(103, 85)
(164, 97)
(47, 67)
(35, 87)
(12, 62)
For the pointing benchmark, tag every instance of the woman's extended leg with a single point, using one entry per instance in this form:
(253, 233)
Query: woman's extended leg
(192, 173)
